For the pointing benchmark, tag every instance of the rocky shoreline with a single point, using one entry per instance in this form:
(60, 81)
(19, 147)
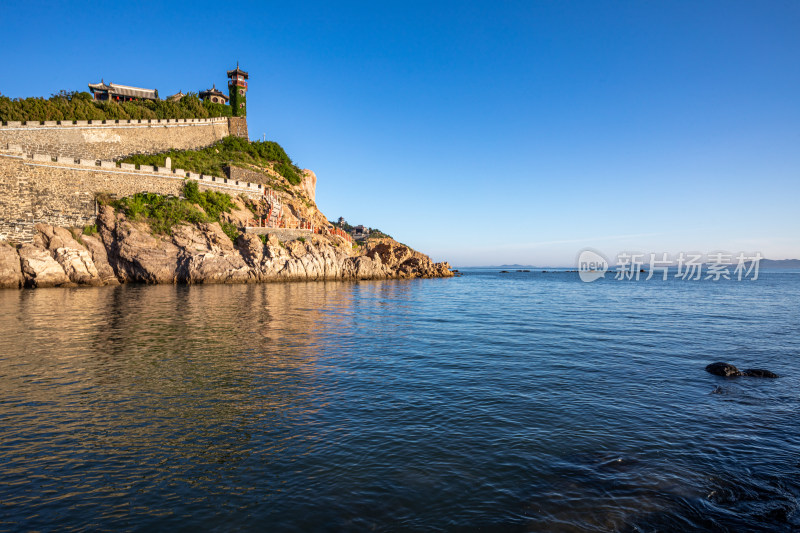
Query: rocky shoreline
(125, 251)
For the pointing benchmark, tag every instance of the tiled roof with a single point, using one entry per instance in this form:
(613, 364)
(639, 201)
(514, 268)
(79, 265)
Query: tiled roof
(213, 92)
(124, 90)
(238, 71)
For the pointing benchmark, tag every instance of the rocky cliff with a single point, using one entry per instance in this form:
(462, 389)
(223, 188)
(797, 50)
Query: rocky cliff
(127, 251)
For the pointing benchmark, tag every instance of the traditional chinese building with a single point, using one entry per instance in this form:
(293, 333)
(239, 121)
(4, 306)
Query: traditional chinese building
(121, 93)
(214, 95)
(237, 92)
(176, 97)
(237, 88)
(360, 232)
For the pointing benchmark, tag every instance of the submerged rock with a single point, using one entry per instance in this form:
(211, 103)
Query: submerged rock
(727, 370)
(723, 369)
(759, 373)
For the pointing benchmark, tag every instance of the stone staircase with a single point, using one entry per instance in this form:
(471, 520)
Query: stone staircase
(275, 214)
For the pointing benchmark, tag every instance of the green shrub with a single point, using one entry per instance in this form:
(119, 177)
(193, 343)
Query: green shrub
(73, 105)
(162, 213)
(104, 198)
(374, 233)
(191, 191)
(213, 203)
(289, 172)
(229, 151)
(217, 110)
(251, 206)
(230, 230)
(90, 230)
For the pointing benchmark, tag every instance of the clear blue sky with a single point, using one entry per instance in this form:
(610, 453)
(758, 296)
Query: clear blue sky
(482, 132)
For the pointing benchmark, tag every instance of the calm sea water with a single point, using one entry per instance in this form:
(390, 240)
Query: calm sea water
(521, 401)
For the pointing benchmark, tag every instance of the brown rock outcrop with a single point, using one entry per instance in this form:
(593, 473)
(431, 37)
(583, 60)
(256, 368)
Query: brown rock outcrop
(98, 252)
(10, 269)
(39, 268)
(135, 254)
(315, 259)
(239, 215)
(309, 184)
(127, 251)
(207, 255)
(407, 263)
(70, 254)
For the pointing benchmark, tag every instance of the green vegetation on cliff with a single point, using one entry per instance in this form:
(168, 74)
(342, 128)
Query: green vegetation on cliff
(162, 213)
(374, 233)
(229, 151)
(80, 106)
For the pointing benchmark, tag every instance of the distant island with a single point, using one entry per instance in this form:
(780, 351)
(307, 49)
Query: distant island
(768, 264)
(779, 263)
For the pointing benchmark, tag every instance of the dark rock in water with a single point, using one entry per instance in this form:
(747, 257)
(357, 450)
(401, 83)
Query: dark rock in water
(504, 271)
(728, 370)
(723, 369)
(759, 373)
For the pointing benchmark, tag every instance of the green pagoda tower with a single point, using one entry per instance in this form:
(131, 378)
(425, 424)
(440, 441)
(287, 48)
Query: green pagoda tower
(237, 88)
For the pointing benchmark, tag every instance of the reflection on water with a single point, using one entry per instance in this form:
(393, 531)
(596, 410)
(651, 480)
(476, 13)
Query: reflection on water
(513, 402)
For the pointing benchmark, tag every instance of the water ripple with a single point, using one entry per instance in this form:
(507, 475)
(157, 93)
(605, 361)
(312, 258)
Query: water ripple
(521, 401)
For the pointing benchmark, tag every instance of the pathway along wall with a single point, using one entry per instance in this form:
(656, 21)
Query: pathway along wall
(110, 139)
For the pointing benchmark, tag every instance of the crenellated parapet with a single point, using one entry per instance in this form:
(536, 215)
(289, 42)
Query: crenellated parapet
(78, 164)
(145, 122)
(115, 139)
(61, 190)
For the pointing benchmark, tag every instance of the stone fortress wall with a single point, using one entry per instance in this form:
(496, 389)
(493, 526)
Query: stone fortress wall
(61, 190)
(238, 126)
(114, 139)
(52, 171)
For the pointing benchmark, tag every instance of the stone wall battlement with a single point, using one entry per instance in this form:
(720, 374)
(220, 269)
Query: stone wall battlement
(61, 190)
(15, 151)
(108, 123)
(115, 139)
